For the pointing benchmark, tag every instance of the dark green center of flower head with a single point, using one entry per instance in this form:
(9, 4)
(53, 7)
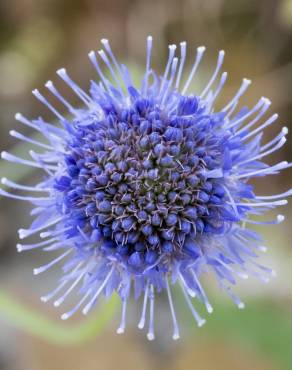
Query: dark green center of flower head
(145, 181)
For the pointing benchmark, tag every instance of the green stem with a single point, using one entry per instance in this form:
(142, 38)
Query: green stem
(31, 321)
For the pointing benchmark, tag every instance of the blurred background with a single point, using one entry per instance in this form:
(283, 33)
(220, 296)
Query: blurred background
(39, 36)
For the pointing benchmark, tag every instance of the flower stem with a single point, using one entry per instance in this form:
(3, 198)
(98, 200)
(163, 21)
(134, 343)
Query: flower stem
(31, 321)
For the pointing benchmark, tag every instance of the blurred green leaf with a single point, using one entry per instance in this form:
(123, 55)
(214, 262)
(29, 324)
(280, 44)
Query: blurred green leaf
(31, 321)
(262, 326)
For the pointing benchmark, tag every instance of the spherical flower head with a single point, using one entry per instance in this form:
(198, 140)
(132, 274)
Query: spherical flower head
(148, 186)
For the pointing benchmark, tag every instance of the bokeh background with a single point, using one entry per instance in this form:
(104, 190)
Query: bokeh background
(39, 36)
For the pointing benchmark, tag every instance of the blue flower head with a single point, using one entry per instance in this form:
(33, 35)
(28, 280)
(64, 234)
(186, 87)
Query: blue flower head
(148, 186)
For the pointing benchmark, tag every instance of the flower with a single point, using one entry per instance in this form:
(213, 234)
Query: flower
(148, 186)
